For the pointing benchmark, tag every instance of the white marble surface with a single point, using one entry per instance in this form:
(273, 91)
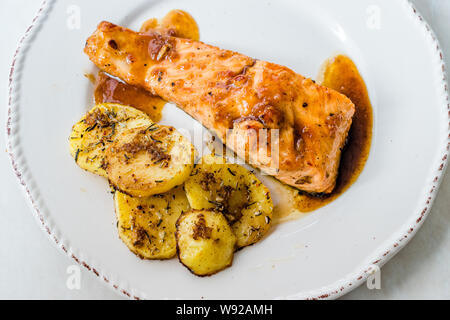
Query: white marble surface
(32, 268)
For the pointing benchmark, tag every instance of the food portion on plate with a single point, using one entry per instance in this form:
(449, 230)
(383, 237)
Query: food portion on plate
(149, 160)
(205, 241)
(150, 166)
(236, 193)
(235, 96)
(147, 225)
(279, 122)
(96, 131)
(139, 157)
(341, 74)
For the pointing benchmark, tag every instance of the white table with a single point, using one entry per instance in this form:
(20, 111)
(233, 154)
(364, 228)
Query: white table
(32, 268)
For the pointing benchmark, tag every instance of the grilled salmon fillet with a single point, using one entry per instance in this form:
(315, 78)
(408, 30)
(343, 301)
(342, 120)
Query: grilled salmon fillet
(237, 96)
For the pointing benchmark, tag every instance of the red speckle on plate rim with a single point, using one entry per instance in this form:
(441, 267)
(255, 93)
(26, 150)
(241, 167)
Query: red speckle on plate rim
(357, 280)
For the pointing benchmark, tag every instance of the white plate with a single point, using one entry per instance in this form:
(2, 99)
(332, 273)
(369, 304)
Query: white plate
(323, 255)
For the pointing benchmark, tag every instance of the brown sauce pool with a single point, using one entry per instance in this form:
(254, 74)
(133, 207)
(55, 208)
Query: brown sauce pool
(107, 89)
(342, 75)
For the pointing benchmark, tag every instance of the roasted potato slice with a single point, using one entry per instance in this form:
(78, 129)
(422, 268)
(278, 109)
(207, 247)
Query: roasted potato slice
(92, 135)
(236, 192)
(147, 225)
(205, 242)
(149, 160)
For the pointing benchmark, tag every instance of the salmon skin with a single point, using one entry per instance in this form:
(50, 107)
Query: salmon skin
(235, 96)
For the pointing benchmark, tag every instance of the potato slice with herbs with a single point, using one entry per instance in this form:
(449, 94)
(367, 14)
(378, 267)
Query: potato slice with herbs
(236, 192)
(92, 135)
(147, 225)
(149, 160)
(205, 242)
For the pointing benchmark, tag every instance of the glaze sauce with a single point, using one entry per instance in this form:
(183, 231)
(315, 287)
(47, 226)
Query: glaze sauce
(342, 75)
(177, 23)
(108, 89)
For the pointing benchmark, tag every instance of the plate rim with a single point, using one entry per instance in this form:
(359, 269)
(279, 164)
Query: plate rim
(332, 291)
